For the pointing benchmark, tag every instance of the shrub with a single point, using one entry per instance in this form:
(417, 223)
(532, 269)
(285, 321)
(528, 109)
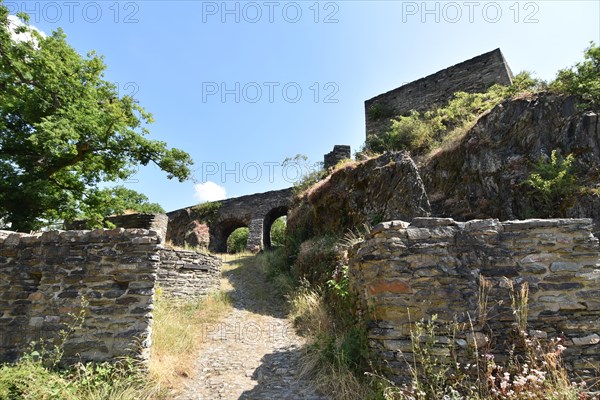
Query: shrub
(237, 241)
(336, 358)
(583, 79)
(407, 133)
(318, 259)
(552, 185)
(421, 132)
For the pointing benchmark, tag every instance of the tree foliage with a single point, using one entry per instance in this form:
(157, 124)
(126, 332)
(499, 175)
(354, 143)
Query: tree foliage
(278, 232)
(236, 242)
(583, 79)
(64, 130)
(115, 201)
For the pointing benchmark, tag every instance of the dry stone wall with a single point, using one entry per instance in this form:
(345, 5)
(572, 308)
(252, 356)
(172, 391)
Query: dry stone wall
(406, 272)
(109, 274)
(188, 274)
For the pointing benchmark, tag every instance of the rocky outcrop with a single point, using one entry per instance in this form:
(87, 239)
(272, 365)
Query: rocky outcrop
(482, 174)
(379, 189)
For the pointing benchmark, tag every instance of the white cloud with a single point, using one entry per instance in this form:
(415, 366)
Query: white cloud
(14, 22)
(209, 191)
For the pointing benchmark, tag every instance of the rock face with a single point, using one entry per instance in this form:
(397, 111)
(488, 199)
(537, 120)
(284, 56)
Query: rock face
(405, 272)
(482, 174)
(379, 189)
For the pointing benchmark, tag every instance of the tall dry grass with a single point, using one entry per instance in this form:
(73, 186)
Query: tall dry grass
(178, 333)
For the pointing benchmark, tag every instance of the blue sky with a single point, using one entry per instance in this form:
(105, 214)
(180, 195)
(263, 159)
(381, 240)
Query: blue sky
(243, 85)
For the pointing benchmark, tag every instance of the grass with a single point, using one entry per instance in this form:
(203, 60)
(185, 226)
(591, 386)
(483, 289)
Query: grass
(334, 357)
(31, 379)
(178, 334)
(176, 339)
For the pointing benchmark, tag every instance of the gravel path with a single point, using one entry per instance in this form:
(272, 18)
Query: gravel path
(254, 352)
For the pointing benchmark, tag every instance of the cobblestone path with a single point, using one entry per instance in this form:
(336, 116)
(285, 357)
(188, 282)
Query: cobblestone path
(253, 353)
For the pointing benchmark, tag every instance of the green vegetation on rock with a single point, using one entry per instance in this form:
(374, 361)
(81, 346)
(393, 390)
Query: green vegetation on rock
(583, 79)
(208, 211)
(422, 132)
(553, 186)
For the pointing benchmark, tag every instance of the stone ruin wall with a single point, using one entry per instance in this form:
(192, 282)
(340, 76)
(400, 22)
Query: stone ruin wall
(432, 266)
(472, 76)
(44, 278)
(340, 152)
(188, 274)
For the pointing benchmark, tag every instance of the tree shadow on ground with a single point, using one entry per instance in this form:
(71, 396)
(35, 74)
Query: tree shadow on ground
(277, 378)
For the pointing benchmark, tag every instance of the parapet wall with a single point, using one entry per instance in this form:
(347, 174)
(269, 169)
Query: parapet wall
(110, 274)
(157, 222)
(472, 76)
(406, 272)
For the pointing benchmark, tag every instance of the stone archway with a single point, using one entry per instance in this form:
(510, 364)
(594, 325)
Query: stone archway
(257, 212)
(221, 231)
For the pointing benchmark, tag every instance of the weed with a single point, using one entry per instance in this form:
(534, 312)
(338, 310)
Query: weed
(535, 373)
(552, 185)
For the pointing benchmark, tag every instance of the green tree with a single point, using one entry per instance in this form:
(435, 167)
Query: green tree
(64, 130)
(115, 201)
(236, 242)
(278, 232)
(583, 79)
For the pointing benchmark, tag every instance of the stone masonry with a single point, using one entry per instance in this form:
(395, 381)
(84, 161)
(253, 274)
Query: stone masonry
(404, 272)
(188, 274)
(109, 274)
(256, 211)
(472, 76)
(339, 153)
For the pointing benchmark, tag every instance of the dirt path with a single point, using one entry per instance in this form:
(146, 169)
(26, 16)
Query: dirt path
(253, 353)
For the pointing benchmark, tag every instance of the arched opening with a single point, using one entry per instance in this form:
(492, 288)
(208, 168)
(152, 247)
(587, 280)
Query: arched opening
(238, 240)
(270, 218)
(223, 232)
(277, 232)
